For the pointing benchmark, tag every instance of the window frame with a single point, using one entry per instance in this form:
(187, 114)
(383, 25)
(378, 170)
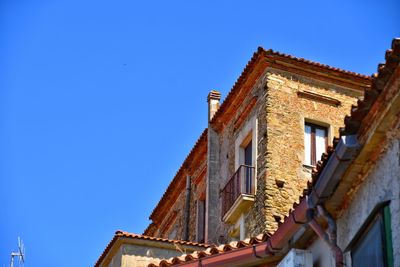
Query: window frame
(313, 149)
(380, 214)
(201, 219)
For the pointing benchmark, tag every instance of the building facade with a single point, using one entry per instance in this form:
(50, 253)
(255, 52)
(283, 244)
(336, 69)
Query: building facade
(132, 250)
(268, 184)
(256, 155)
(350, 213)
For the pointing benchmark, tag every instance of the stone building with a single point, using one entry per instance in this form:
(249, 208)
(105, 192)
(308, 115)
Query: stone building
(349, 215)
(256, 182)
(256, 155)
(132, 250)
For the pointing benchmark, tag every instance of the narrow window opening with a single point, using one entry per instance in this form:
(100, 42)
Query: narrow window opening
(201, 220)
(248, 161)
(315, 143)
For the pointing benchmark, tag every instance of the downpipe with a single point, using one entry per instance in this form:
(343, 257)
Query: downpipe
(187, 209)
(329, 238)
(344, 153)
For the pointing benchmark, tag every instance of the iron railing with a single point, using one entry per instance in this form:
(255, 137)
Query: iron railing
(242, 182)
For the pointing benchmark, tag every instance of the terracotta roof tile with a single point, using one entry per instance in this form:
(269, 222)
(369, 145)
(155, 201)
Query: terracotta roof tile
(360, 111)
(213, 250)
(379, 80)
(121, 234)
(137, 236)
(299, 59)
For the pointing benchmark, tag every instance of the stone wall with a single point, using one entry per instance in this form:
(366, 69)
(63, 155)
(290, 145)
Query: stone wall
(255, 219)
(198, 194)
(173, 228)
(286, 113)
(280, 114)
(228, 156)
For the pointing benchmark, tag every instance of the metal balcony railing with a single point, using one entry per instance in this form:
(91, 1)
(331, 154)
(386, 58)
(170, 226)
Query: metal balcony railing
(242, 182)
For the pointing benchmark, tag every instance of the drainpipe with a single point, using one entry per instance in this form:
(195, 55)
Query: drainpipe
(344, 153)
(332, 232)
(329, 238)
(187, 209)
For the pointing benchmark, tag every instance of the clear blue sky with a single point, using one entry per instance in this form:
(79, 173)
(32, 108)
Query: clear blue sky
(100, 101)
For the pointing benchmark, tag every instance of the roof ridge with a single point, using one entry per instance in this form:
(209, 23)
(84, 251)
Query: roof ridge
(315, 63)
(270, 52)
(140, 236)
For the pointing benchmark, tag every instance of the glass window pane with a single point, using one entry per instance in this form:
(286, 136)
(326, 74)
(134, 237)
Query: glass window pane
(369, 250)
(307, 145)
(248, 154)
(320, 143)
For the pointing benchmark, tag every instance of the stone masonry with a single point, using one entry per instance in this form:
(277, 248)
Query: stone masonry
(281, 114)
(275, 109)
(286, 176)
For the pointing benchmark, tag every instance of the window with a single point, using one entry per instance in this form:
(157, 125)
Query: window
(373, 246)
(315, 143)
(201, 220)
(248, 183)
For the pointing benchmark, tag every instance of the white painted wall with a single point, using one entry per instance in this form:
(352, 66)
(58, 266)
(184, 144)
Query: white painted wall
(382, 184)
(322, 255)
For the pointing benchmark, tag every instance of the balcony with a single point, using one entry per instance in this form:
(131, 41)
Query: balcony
(238, 194)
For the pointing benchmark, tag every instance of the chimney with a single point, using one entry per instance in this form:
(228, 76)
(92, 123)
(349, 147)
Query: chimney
(213, 103)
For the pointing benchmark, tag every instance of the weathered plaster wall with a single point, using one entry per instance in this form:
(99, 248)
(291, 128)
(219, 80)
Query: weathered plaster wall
(380, 185)
(213, 205)
(321, 253)
(286, 113)
(116, 260)
(135, 255)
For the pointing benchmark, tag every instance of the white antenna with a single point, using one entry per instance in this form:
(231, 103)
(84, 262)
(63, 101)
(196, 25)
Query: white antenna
(20, 254)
